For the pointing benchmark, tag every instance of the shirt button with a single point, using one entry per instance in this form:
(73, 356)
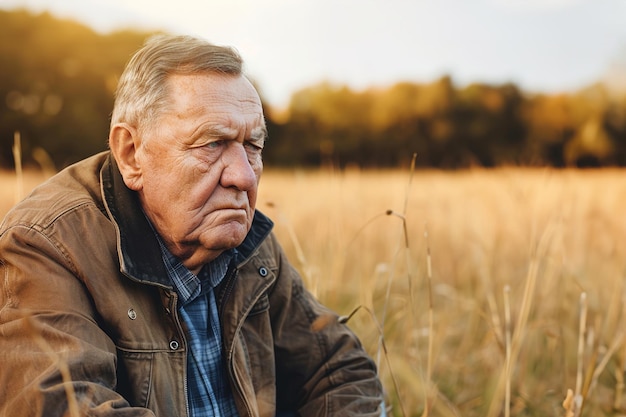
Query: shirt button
(132, 314)
(263, 271)
(174, 345)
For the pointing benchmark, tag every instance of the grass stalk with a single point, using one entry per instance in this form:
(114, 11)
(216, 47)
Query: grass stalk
(619, 377)
(381, 335)
(19, 175)
(620, 360)
(522, 320)
(617, 343)
(429, 398)
(582, 325)
(587, 381)
(507, 342)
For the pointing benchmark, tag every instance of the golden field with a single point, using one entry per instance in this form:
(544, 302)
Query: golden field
(495, 291)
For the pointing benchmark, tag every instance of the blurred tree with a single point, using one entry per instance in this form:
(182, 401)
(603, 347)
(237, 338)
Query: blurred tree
(57, 79)
(488, 129)
(549, 123)
(591, 146)
(479, 124)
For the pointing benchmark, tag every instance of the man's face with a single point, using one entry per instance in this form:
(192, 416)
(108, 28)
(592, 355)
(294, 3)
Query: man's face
(200, 165)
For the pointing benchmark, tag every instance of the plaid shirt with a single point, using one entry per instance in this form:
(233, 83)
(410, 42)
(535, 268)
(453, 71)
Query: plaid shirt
(208, 391)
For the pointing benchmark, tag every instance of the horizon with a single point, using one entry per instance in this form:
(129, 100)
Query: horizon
(540, 46)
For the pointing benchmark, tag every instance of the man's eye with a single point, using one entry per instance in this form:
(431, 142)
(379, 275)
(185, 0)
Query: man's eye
(253, 146)
(215, 144)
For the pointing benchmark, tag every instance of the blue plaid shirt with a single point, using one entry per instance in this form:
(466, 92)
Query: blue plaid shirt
(208, 391)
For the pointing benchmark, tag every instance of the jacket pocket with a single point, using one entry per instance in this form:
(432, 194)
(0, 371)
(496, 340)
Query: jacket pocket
(253, 360)
(134, 376)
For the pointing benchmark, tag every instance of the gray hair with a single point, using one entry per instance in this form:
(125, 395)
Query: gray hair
(142, 89)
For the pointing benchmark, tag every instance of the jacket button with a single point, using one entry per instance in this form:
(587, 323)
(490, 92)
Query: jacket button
(263, 271)
(174, 345)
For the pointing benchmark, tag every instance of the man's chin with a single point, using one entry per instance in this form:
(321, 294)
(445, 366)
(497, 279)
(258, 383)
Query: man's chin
(227, 235)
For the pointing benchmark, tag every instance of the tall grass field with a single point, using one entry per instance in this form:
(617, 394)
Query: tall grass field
(479, 292)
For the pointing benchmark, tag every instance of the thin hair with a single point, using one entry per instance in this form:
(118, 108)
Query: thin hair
(142, 91)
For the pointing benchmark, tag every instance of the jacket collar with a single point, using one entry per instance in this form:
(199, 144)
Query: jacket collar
(138, 249)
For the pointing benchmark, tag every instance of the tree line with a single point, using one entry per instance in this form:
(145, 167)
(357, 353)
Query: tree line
(451, 127)
(57, 79)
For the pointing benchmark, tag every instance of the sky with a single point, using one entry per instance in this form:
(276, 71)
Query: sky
(541, 45)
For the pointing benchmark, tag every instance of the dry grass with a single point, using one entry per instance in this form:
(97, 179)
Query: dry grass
(537, 238)
(511, 252)
(13, 189)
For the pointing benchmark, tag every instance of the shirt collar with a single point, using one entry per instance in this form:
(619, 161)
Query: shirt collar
(189, 285)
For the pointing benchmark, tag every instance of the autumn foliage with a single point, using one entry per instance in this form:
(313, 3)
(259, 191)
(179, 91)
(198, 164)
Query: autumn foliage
(57, 79)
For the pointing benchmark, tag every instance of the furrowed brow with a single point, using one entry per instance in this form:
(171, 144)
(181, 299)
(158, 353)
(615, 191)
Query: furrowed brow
(259, 134)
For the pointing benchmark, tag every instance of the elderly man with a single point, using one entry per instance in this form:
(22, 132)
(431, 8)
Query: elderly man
(143, 282)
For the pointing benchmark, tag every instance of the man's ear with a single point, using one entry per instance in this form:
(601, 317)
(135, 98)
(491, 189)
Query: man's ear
(124, 142)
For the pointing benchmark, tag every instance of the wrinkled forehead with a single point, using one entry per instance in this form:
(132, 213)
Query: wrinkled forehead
(194, 92)
(216, 103)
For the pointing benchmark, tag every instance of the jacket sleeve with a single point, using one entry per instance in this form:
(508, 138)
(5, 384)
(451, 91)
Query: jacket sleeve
(322, 369)
(55, 359)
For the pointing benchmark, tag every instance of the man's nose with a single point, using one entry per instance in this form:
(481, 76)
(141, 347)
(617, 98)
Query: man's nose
(238, 171)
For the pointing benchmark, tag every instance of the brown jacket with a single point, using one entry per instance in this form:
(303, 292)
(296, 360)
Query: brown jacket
(87, 313)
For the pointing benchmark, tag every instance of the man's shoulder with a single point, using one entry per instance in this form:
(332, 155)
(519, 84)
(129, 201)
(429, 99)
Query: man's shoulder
(75, 187)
